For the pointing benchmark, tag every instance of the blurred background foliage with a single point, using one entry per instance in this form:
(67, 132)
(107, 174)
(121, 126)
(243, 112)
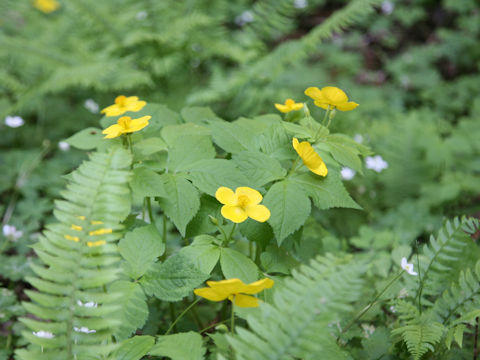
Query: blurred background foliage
(413, 66)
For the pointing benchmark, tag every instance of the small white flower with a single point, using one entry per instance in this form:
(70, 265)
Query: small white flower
(376, 163)
(368, 330)
(358, 138)
(387, 7)
(300, 4)
(89, 304)
(408, 267)
(84, 329)
(347, 173)
(392, 309)
(64, 146)
(244, 18)
(11, 232)
(14, 121)
(43, 334)
(91, 106)
(141, 15)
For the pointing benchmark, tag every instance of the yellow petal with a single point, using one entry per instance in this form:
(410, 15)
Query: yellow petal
(227, 287)
(311, 159)
(295, 143)
(138, 124)
(282, 108)
(121, 100)
(225, 195)
(136, 106)
(234, 213)
(210, 294)
(334, 95)
(321, 104)
(112, 131)
(347, 106)
(258, 286)
(315, 93)
(259, 213)
(253, 195)
(298, 106)
(113, 110)
(244, 301)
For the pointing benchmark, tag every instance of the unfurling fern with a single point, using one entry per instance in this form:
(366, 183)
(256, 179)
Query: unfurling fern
(302, 318)
(73, 314)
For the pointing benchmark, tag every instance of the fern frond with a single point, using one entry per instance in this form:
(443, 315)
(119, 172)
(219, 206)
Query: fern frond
(297, 324)
(444, 252)
(73, 314)
(420, 334)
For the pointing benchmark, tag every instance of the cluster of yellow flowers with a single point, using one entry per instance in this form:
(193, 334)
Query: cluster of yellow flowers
(46, 6)
(125, 124)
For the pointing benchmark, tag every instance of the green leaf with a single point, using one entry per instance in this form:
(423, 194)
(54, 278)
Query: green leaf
(256, 231)
(141, 247)
(236, 265)
(232, 137)
(133, 309)
(173, 279)
(86, 139)
(187, 150)
(277, 260)
(345, 151)
(259, 168)
(201, 224)
(289, 206)
(150, 146)
(180, 346)
(146, 182)
(171, 133)
(181, 202)
(326, 192)
(199, 115)
(209, 175)
(202, 253)
(134, 348)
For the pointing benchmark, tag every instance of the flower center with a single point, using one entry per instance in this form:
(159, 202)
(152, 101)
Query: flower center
(121, 101)
(124, 122)
(243, 201)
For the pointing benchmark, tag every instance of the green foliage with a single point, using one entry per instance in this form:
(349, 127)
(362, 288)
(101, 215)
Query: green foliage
(180, 346)
(296, 323)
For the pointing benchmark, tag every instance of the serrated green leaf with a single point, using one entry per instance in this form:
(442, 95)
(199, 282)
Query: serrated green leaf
(181, 202)
(201, 224)
(209, 175)
(202, 253)
(256, 231)
(199, 114)
(277, 260)
(289, 206)
(134, 348)
(171, 133)
(86, 139)
(141, 247)
(236, 265)
(345, 151)
(150, 146)
(188, 150)
(232, 137)
(133, 310)
(325, 192)
(173, 279)
(180, 346)
(259, 168)
(146, 182)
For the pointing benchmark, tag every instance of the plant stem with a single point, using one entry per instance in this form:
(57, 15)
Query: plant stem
(213, 325)
(475, 344)
(294, 166)
(370, 305)
(232, 317)
(181, 315)
(231, 232)
(149, 209)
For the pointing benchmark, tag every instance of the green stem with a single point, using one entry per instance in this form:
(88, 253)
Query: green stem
(232, 317)
(149, 209)
(231, 232)
(164, 235)
(327, 113)
(294, 166)
(181, 315)
(213, 325)
(370, 305)
(225, 239)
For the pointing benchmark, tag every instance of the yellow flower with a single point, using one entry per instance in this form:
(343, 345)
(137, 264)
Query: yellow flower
(241, 204)
(290, 105)
(46, 6)
(124, 104)
(330, 96)
(234, 290)
(126, 125)
(310, 158)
